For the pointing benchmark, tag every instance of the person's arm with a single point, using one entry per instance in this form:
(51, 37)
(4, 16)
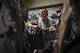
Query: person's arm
(29, 24)
(52, 27)
(64, 18)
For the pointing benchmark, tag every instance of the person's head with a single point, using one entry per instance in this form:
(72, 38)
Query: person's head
(44, 13)
(58, 10)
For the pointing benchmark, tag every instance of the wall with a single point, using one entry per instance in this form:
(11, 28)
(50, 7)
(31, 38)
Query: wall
(40, 3)
(52, 10)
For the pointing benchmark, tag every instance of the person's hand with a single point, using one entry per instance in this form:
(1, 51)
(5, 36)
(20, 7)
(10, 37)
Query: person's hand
(35, 26)
(52, 28)
(28, 24)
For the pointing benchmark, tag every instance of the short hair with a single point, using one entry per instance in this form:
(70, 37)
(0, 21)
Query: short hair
(44, 10)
